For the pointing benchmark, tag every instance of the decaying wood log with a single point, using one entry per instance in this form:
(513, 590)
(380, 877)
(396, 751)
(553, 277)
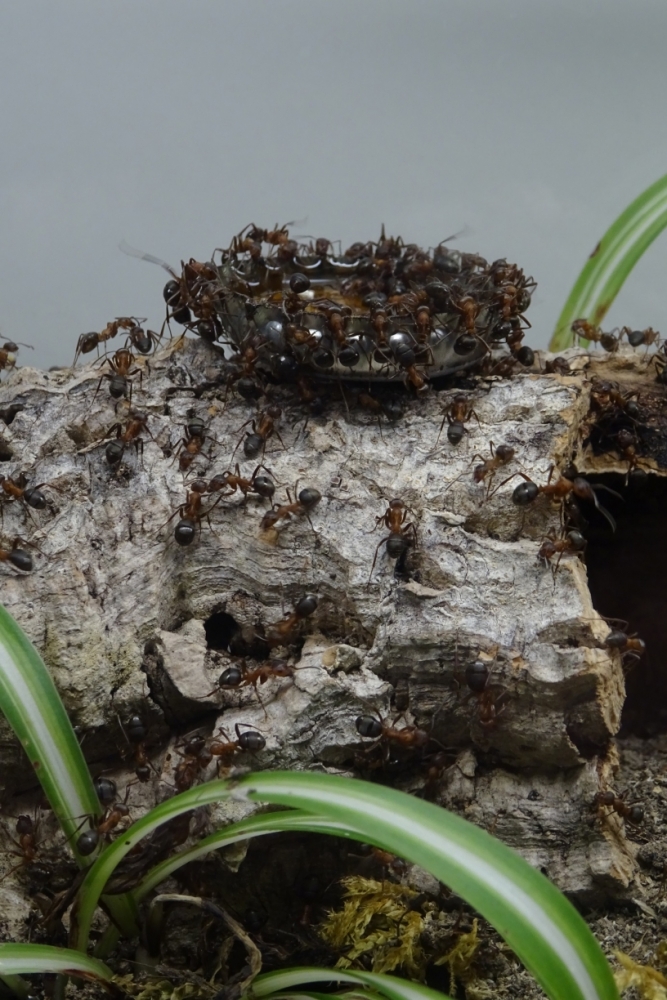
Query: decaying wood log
(125, 617)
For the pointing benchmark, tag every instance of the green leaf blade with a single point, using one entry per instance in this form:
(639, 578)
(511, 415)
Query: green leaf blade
(536, 920)
(544, 930)
(389, 986)
(27, 959)
(31, 703)
(603, 275)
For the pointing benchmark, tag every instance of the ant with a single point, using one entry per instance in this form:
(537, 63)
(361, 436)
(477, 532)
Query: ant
(638, 337)
(500, 456)
(436, 764)
(263, 486)
(121, 370)
(262, 429)
(376, 729)
(87, 342)
(402, 534)
(627, 445)
(457, 413)
(19, 558)
(234, 677)
(583, 330)
(100, 827)
(135, 732)
(192, 443)
(16, 489)
(246, 377)
(527, 492)
(27, 843)
(192, 513)
(136, 424)
(477, 676)
(572, 543)
(251, 740)
(605, 394)
(630, 646)
(633, 814)
(391, 409)
(196, 757)
(283, 632)
(406, 356)
(557, 366)
(306, 500)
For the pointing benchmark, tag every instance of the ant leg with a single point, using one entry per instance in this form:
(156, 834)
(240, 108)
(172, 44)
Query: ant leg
(375, 559)
(513, 476)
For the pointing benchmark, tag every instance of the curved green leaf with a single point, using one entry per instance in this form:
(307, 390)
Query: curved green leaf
(389, 986)
(536, 920)
(32, 706)
(21, 959)
(611, 262)
(31, 703)
(254, 826)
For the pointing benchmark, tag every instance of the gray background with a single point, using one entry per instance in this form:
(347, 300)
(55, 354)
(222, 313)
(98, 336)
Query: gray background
(528, 124)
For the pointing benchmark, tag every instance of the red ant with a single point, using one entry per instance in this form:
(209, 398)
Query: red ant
(306, 500)
(27, 843)
(572, 543)
(457, 413)
(137, 424)
(121, 370)
(527, 492)
(477, 676)
(583, 330)
(17, 489)
(191, 444)
(251, 740)
(283, 632)
(262, 429)
(629, 646)
(101, 827)
(373, 728)
(234, 677)
(19, 558)
(196, 757)
(632, 813)
(638, 337)
(262, 486)
(500, 456)
(192, 513)
(87, 342)
(401, 535)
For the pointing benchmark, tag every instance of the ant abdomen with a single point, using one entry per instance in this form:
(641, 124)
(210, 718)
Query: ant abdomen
(369, 726)
(184, 532)
(524, 494)
(87, 842)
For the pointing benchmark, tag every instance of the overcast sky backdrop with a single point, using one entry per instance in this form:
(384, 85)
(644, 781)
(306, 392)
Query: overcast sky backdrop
(529, 124)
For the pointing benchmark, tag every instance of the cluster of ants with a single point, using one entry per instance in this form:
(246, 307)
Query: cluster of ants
(377, 316)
